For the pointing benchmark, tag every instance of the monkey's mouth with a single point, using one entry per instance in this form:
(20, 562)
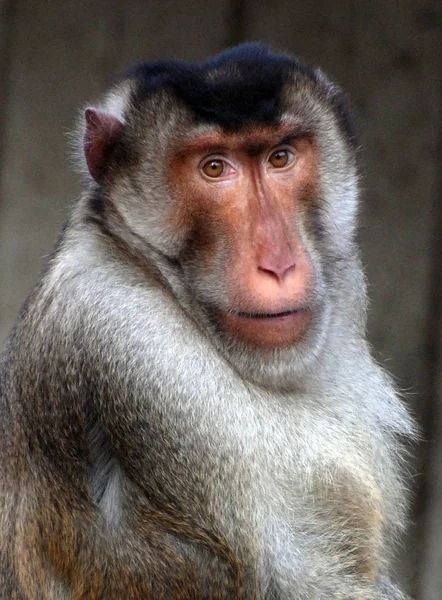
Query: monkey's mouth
(285, 313)
(268, 330)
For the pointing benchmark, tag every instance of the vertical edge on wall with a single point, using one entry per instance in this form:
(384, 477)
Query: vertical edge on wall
(7, 27)
(237, 21)
(429, 585)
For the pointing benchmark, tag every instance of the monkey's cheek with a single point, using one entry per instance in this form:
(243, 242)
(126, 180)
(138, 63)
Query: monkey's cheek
(268, 333)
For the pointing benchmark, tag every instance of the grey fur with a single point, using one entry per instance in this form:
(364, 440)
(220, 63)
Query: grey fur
(145, 455)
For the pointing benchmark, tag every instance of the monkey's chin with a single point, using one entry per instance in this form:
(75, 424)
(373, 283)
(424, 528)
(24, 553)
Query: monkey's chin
(268, 331)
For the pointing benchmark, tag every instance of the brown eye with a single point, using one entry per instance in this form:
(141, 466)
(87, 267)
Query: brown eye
(280, 158)
(213, 168)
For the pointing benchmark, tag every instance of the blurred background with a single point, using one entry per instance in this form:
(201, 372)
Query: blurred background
(57, 56)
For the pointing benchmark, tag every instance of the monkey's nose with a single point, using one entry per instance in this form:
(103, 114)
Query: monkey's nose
(277, 268)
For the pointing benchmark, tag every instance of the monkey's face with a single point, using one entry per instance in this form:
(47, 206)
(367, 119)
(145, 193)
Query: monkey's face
(238, 205)
(240, 175)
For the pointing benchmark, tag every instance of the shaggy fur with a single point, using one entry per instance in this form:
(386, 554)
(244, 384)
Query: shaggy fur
(145, 454)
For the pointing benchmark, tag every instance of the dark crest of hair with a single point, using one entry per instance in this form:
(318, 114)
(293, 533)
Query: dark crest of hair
(236, 88)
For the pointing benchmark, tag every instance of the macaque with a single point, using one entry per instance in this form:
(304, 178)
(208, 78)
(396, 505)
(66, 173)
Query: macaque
(189, 408)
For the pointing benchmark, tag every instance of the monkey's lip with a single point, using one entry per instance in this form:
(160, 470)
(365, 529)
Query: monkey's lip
(268, 330)
(278, 315)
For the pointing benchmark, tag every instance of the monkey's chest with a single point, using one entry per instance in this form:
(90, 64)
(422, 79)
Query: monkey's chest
(328, 537)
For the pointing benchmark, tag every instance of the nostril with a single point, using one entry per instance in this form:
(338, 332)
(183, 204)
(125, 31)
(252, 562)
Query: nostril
(277, 269)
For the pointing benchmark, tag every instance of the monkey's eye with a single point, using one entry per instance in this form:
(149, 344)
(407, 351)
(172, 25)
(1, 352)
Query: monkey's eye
(281, 158)
(214, 168)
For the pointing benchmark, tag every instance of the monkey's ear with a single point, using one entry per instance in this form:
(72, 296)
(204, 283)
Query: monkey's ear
(101, 132)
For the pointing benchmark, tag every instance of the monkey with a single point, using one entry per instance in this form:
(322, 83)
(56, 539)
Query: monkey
(189, 404)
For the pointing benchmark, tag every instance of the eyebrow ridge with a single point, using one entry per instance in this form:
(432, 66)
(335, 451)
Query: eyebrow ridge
(251, 147)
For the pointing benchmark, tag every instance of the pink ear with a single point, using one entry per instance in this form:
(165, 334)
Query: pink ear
(102, 130)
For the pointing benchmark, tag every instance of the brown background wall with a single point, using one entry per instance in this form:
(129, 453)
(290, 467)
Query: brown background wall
(57, 56)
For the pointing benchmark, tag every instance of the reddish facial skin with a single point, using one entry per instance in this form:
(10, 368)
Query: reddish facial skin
(254, 209)
(268, 333)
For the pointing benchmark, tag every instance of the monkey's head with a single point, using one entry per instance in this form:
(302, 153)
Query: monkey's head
(239, 175)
